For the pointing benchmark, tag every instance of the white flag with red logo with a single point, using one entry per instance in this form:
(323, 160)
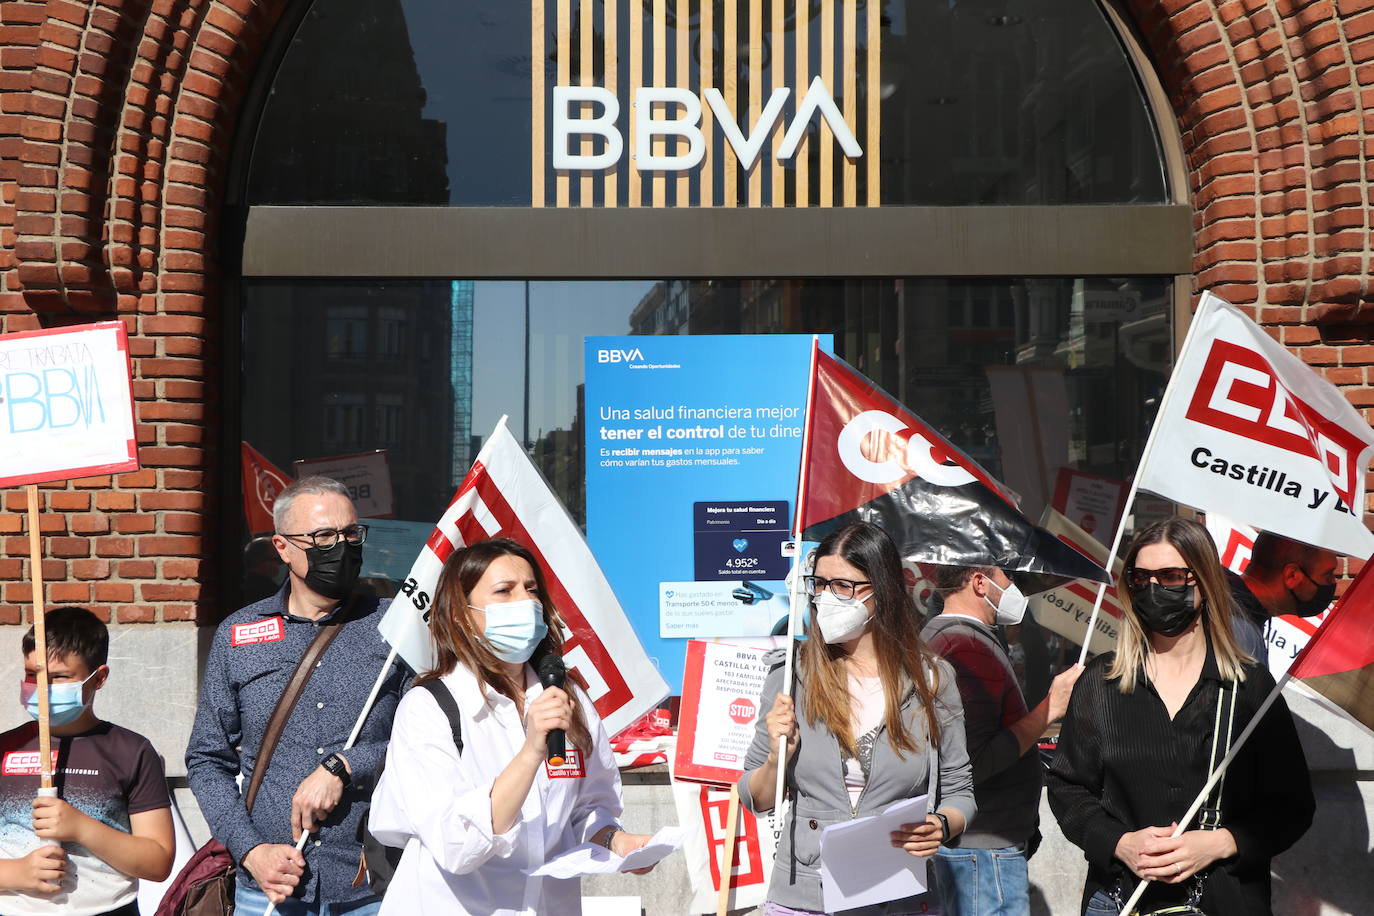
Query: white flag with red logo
(504, 495)
(1249, 431)
(870, 459)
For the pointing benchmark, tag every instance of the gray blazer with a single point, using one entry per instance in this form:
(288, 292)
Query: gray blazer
(815, 781)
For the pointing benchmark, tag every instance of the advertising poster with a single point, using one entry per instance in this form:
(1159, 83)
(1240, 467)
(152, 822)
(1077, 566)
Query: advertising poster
(720, 704)
(1091, 502)
(66, 404)
(367, 476)
(693, 445)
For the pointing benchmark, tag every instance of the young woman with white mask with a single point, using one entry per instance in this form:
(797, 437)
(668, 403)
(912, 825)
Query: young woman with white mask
(474, 821)
(871, 710)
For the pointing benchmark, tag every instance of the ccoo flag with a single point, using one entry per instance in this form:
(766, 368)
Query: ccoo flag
(870, 459)
(504, 495)
(1338, 662)
(262, 481)
(1249, 431)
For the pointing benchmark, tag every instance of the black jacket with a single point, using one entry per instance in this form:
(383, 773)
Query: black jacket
(1124, 765)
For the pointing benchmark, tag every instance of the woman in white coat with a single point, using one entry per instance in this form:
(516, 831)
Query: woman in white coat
(472, 823)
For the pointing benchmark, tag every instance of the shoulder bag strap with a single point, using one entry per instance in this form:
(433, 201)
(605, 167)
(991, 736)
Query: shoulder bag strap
(1210, 816)
(444, 697)
(324, 635)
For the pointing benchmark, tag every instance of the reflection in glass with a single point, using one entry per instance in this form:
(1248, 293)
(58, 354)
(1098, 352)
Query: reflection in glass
(971, 357)
(979, 102)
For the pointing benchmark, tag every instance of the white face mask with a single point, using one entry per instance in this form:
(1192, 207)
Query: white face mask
(1010, 608)
(840, 619)
(514, 629)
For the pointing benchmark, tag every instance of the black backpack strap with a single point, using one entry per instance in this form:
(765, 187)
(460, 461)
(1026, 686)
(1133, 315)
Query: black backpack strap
(444, 697)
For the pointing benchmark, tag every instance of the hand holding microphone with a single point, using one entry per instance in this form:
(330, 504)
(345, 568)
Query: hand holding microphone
(553, 673)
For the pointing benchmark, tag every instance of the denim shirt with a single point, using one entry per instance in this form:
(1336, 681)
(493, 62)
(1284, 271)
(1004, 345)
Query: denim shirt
(241, 687)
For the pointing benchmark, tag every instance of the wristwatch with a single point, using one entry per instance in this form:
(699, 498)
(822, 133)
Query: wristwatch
(335, 764)
(944, 827)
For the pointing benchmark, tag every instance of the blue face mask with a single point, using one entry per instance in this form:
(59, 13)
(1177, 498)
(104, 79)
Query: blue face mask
(514, 629)
(65, 702)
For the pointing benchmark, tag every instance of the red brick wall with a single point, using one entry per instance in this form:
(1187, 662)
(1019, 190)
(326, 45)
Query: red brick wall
(1275, 101)
(115, 120)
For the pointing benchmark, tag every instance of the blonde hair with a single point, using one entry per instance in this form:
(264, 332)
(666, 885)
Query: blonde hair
(1195, 545)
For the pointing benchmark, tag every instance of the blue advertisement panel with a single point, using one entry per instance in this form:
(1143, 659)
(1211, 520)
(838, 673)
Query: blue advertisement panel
(692, 452)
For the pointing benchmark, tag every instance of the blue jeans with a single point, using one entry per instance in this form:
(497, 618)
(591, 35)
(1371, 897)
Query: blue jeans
(1101, 905)
(249, 901)
(983, 882)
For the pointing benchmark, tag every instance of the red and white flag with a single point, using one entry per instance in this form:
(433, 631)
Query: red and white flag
(262, 481)
(1338, 661)
(1249, 431)
(504, 495)
(870, 459)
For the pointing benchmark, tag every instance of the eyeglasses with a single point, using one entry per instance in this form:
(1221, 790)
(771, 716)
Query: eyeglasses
(840, 588)
(325, 538)
(1169, 576)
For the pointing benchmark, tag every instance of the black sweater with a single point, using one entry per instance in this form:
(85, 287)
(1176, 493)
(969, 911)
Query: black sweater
(1123, 765)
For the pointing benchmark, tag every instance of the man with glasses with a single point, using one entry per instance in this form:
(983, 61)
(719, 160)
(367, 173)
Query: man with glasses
(1283, 577)
(312, 784)
(987, 872)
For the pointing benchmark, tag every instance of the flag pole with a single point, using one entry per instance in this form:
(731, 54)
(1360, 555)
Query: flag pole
(40, 646)
(1219, 772)
(795, 592)
(1188, 341)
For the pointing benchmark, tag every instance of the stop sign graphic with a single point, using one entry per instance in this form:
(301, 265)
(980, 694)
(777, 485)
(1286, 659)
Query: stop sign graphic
(742, 710)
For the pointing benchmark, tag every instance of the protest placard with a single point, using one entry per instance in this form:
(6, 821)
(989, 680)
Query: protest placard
(720, 704)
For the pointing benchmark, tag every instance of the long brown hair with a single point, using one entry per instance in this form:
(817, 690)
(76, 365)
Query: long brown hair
(905, 663)
(1195, 545)
(456, 642)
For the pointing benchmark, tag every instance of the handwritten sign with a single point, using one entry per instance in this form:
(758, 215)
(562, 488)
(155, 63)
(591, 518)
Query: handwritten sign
(66, 404)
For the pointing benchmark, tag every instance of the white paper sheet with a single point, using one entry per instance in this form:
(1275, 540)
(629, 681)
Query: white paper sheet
(594, 859)
(859, 864)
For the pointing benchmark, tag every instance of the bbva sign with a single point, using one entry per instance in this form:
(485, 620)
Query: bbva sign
(687, 126)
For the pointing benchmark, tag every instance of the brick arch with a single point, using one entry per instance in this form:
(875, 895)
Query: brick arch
(1272, 98)
(116, 121)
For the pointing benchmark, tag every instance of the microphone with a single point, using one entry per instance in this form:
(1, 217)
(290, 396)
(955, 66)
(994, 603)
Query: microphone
(553, 673)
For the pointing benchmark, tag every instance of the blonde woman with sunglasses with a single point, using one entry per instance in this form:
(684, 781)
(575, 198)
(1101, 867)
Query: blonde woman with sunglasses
(1146, 724)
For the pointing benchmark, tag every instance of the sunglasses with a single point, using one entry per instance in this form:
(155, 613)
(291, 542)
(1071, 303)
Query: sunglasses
(1169, 576)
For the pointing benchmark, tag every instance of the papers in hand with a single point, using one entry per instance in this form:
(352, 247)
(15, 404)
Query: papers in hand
(859, 864)
(594, 859)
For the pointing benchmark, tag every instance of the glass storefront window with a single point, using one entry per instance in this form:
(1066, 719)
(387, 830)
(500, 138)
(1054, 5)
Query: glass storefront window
(975, 102)
(958, 352)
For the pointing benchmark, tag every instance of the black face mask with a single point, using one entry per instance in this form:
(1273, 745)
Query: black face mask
(1318, 602)
(333, 571)
(1165, 610)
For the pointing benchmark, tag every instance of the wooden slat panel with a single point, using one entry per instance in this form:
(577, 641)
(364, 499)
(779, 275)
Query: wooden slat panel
(537, 113)
(851, 101)
(706, 196)
(729, 76)
(610, 40)
(564, 79)
(777, 63)
(755, 93)
(683, 20)
(634, 176)
(872, 149)
(585, 197)
(824, 136)
(802, 35)
(660, 61)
